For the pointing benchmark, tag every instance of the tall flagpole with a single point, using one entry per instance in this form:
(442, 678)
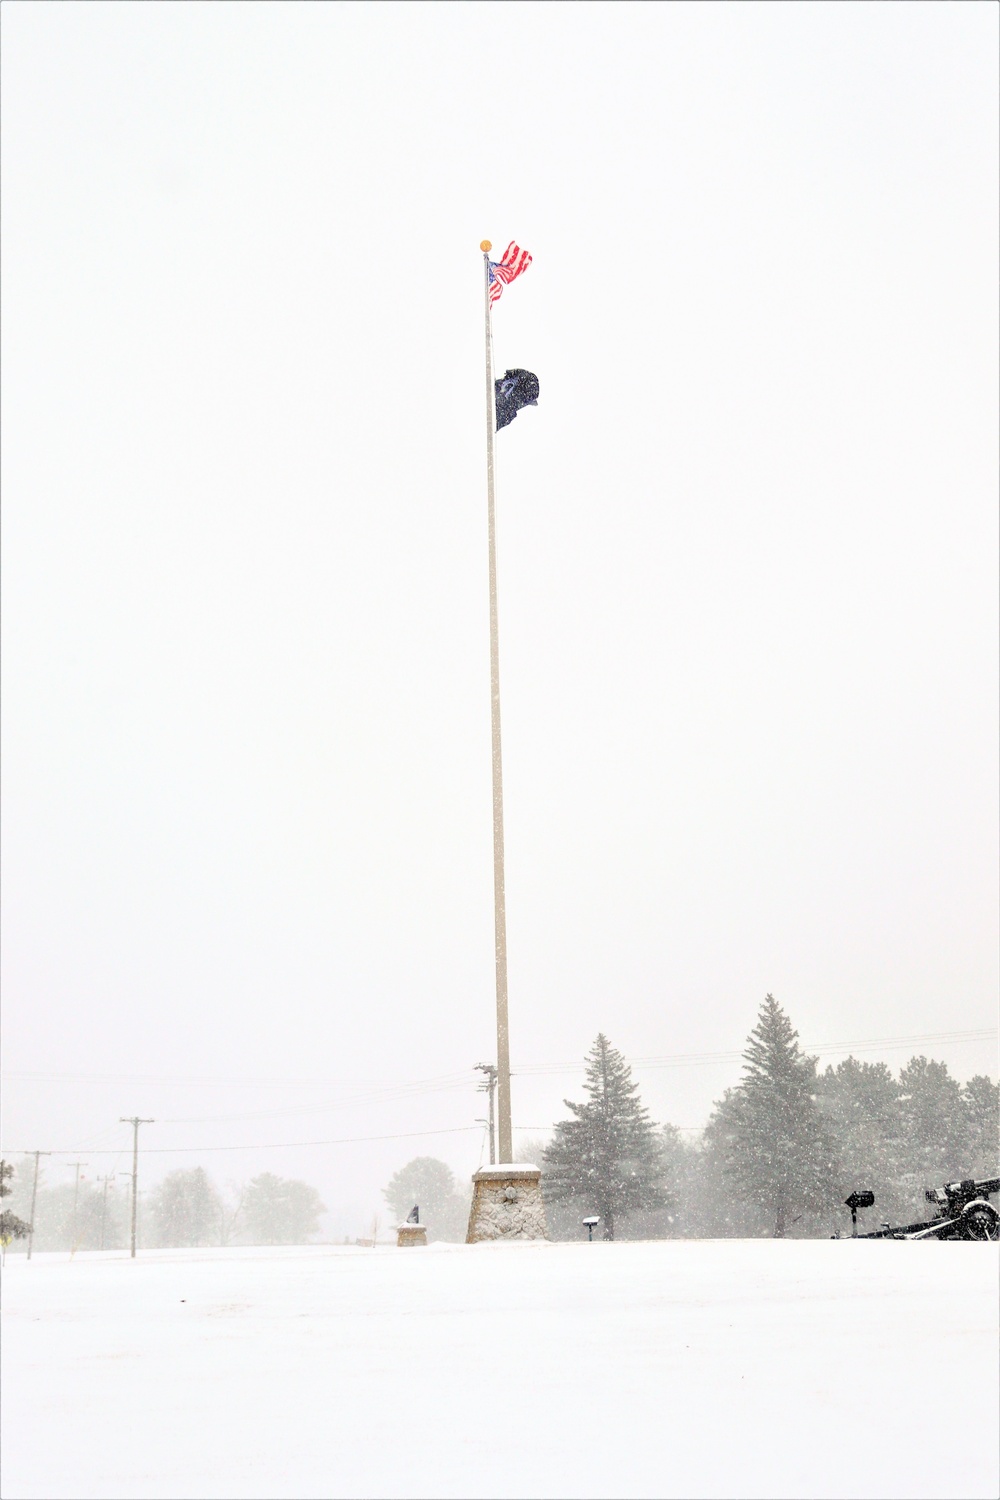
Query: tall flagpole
(504, 1143)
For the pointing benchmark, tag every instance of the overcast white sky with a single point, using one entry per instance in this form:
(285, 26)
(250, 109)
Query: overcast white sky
(747, 559)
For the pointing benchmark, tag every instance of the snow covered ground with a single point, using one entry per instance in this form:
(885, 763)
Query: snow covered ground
(730, 1369)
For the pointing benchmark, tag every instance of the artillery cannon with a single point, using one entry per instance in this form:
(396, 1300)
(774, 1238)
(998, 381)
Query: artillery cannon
(964, 1213)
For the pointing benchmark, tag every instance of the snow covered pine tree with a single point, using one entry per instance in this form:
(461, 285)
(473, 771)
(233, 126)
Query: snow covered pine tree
(769, 1131)
(859, 1102)
(933, 1120)
(11, 1227)
(608, 1157)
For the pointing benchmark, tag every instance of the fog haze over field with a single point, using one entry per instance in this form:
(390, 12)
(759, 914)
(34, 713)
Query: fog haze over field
(747, 563)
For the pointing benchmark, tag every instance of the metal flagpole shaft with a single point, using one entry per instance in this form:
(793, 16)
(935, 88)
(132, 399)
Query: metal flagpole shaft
(504, 1143)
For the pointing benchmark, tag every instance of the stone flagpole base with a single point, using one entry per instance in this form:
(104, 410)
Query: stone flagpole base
(411, 1234)
(507, 1204)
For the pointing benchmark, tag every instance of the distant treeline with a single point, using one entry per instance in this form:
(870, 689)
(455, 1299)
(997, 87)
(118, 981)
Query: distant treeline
(782, 1150)
(186, 1208)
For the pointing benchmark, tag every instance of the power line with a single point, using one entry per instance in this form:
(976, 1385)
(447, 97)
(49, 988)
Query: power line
(691, 1059)
(698, 1059)
(446, 1083)
(386, 1097)
(348, 1140)
(459, 1080)
(244, 1081)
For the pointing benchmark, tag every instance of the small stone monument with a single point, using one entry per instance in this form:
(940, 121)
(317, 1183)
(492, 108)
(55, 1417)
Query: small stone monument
(411, 1232)
(507, 1204)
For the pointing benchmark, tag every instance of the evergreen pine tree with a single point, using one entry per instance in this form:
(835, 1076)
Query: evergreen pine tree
(672, 1218)
(769, 1133)
(860, 1104)
(608, 1156)
(864, 1099)
(981, 1099)
(11, 1227)
(934, 1124)
(281, 1211)
(708, 1207)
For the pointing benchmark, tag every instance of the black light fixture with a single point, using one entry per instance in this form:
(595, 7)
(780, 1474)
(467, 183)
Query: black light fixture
(590, 1222)
(854, 1202)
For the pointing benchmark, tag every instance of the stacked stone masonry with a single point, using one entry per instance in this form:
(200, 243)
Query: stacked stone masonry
(507, 1205)
(411, 1234)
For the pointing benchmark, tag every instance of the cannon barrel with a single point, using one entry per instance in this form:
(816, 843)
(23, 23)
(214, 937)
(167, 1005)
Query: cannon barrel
(969, 1188)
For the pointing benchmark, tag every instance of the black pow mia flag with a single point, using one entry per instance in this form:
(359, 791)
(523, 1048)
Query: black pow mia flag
(413, 1217)
(515, 388)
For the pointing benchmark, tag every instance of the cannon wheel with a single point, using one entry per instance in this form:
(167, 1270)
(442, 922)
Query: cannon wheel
(980, 1221)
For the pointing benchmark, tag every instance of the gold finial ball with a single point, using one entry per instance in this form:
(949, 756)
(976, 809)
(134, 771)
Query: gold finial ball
(485, 245)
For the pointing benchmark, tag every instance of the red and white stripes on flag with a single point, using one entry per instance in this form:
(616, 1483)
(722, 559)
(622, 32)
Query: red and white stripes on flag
(503, 271)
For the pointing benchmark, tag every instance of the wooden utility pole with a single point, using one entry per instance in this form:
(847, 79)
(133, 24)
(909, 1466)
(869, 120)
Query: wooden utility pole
(106, 1179)
(135, 1122)
(34, 1199)
(489, 1086)
(76, 1195)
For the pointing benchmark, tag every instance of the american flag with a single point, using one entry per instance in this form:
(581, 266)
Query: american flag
(514, 261)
